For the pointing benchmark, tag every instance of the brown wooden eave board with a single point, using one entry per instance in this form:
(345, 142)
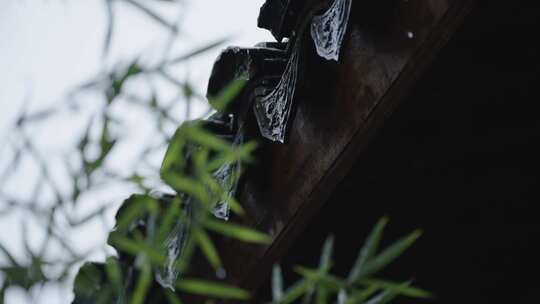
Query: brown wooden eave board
(334, 122)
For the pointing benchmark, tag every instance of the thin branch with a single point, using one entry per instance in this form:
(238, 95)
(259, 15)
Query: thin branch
(153, 15)
(110, 27)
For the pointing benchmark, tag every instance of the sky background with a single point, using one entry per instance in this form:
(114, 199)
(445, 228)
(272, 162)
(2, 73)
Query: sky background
(49, 47)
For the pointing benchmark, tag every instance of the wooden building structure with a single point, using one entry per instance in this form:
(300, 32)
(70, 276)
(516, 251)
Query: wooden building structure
(422, 110)
(428, 117)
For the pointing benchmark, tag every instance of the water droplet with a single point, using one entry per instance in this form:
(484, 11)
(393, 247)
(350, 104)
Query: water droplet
(221, 273)
(328, 30)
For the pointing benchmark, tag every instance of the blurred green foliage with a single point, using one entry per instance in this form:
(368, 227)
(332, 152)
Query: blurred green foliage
(318, 285)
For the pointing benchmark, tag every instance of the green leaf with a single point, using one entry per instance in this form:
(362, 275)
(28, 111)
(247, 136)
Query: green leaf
(173, 214)
(25, 276)
(133, 70)
(3, 292)
(172, 297)
(240, 153)
(26, 244)
(183, 264)
(197, 51)
(188, 91)
(212, 289)
(143, 284)
(153, 15)
(133, 208)
(207, 247)
(326, 255)
(369, 249)
(199, 159)
(235, 206)
(106, 146)
(188, 185)
(324, 266)
(205, 138)
(40, 115)
(137, 180)
(110, 27)
(277, 284)
(114, 273)
(117, 81)
(322, 295)
(11, 168)
(383, 298)
(104, 296)
(400, 288)
(88, 283)
(319, 276)
(136, 248)
(105, 142)
(220, 194)
(237, 232)
(295, 292)
(227, 94)
(85, 139)
(360, 296)
(8, 255)
(173, 157)
(388, 255)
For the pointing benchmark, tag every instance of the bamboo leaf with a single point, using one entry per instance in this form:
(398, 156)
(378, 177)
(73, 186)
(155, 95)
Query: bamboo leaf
(388, 255)
(362, 295)
(143, 285)
(322, 295)
(85, 139)
(114, 273)
(200, 136)
(3, 292)
(110, 27)
(241, 153)
(104, 296)
(207, 247)
(227, 95)
(136, 248)
(88, 282)
(235, 206)
(320, 277)
(295, 292)
(326, 255)
(153, 15)
(187, 185)
(400, 288)
(12, 167)
(172, 297)
(8, 255)
(212, 289)
(173, 213)
(369, 249)
(221, 195)
(277, 284)
(40, 115)
(197, 51)
(133, 208)
(237, 232)
(173, 157)
(383, 298)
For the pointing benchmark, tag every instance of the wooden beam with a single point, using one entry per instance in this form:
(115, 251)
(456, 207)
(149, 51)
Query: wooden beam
(340, 108)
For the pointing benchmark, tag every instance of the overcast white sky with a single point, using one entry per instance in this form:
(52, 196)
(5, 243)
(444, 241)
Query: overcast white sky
(47, 47)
